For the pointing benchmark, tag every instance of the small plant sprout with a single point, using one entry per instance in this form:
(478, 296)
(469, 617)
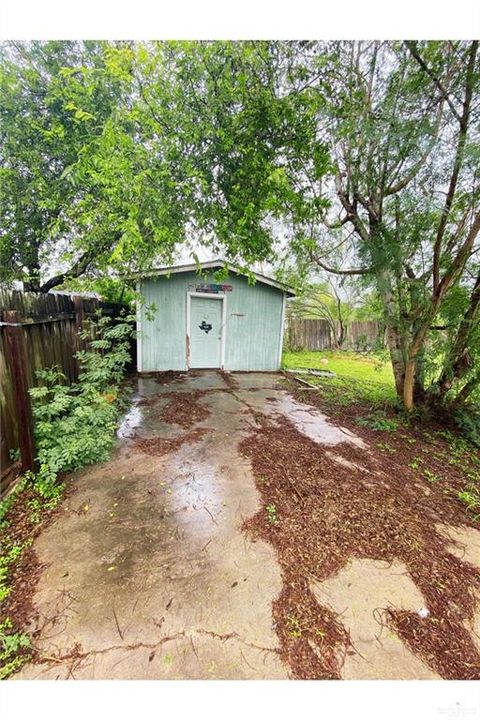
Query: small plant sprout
(377, 423)
(10, 644)
(471, 498)
(385, 447)
(294, 627)
(430, 476)
(415, 463)
(272, 516)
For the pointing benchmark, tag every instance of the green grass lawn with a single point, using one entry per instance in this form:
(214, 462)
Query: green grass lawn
(344, 364)
(372, 377)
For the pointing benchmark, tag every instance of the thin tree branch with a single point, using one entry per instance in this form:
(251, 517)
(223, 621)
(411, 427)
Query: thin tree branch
(412, 46)
(459, 155)
(339, 271)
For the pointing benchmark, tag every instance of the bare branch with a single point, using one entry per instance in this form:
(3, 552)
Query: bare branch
(460, 259)
(339, 271)
(77, 269)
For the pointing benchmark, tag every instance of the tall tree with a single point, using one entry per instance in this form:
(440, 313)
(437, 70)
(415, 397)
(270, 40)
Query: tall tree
(55, 101)
(402, 124)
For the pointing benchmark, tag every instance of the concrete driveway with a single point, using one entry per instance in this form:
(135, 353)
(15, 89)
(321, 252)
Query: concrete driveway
(147, 572)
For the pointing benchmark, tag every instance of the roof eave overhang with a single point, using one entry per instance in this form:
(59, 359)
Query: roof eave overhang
(210, 265)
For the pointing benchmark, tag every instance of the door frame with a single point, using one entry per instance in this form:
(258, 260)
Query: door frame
(209, 296)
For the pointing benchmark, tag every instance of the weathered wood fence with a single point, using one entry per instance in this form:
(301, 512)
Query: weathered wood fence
(306, 334)
(37, 331)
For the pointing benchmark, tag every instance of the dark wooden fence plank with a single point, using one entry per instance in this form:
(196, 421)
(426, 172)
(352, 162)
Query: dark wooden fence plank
(17, 362)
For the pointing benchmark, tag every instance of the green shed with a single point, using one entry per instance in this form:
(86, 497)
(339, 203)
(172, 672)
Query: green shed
(199, 322)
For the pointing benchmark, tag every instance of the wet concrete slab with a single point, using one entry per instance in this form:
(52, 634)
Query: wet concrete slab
(148, 573)
(312, 423)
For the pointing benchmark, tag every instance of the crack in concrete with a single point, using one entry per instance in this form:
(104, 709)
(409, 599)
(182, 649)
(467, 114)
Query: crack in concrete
(76, 654)
(234, 636)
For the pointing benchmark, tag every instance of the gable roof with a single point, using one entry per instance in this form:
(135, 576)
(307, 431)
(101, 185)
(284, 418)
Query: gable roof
(215, 265)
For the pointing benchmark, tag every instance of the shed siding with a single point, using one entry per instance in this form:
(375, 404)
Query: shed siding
(253, 328)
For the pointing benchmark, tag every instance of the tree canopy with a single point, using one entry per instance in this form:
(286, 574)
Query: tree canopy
(113, 155)
(355, 158)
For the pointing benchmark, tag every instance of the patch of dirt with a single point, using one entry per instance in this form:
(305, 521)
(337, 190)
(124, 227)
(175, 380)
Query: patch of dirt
(184, 409)
(161, 446)
(372, 506)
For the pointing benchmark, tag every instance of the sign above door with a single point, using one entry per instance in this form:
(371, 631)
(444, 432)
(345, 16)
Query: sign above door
(213, 288)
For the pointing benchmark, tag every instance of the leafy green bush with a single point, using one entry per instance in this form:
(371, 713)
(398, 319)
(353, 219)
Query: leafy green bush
(468, 420)
(75, 424)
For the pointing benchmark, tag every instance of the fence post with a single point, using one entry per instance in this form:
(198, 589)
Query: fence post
(79, 316)
(17, 361)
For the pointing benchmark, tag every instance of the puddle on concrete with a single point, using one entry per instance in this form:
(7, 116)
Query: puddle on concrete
(195, 494)
(130, 422)
(312, 423)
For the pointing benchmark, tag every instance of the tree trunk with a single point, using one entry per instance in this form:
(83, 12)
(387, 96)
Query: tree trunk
(465, 392)
(458, 361)
(394, 342)
(394, 336)
(409, 384)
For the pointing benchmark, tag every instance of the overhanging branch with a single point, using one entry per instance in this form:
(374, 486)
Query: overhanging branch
(340, 271)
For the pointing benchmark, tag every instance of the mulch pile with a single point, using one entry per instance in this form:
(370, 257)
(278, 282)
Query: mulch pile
(161, 446)
(184, 409)
(327, 514)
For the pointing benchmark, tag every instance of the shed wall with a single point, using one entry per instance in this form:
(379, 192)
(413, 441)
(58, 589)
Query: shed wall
(253, 328)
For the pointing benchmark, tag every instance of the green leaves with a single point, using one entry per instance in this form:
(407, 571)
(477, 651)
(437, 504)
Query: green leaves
(122, 151)
(74, 424)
